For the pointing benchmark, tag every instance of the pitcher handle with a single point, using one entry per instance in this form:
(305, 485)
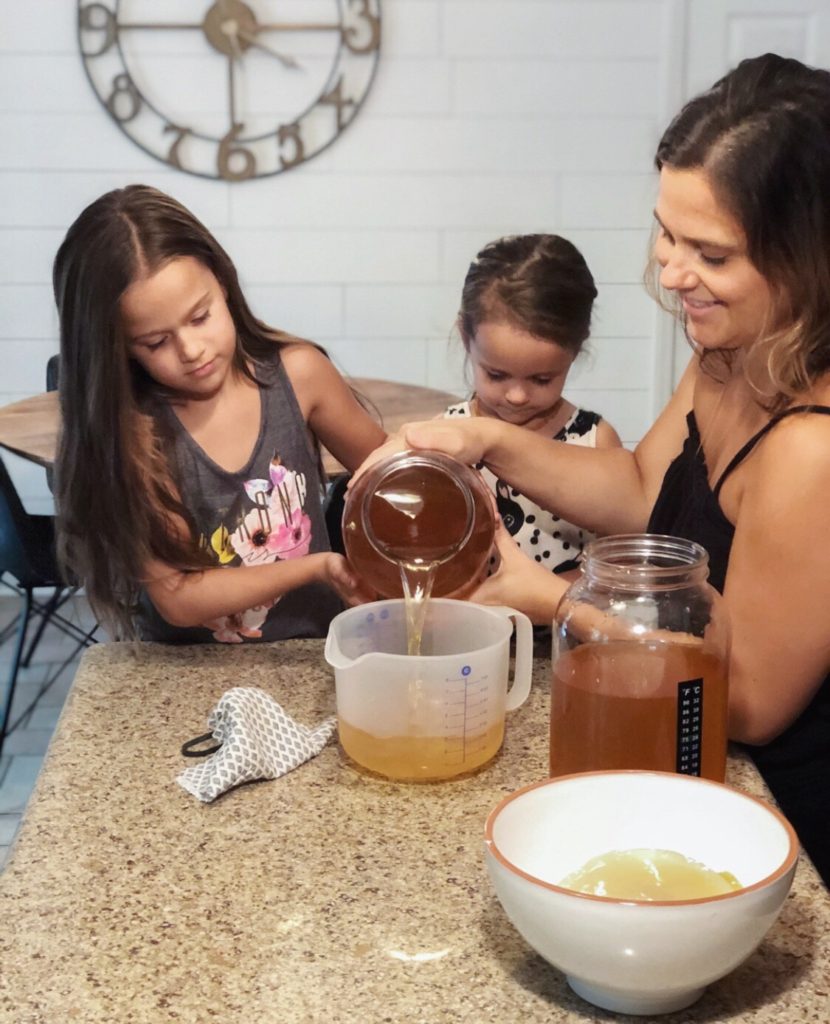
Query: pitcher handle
(523, 667)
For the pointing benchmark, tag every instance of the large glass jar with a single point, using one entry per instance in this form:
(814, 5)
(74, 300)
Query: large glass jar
(640, 658)
(419, 512)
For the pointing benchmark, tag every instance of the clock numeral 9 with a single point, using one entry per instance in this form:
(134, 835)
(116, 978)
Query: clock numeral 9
(124, 102)
(335, 98)
(351, 34)
(290, 133)
(97, 18)
(229, 151)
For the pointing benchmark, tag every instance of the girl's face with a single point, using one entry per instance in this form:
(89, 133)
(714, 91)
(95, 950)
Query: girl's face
(702, 251)
(517, 377)
(179, 328)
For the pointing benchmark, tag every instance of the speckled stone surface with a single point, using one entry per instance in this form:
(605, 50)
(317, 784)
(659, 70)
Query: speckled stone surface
(326, 895)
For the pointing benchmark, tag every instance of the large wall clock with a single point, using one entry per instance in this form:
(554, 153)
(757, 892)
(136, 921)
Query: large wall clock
(231, 89)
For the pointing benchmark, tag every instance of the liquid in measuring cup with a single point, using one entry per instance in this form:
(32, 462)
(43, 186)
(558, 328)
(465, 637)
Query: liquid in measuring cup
(420, 758)
(445, 737)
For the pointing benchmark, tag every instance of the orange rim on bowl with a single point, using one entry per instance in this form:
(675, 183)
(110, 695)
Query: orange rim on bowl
(783, 868)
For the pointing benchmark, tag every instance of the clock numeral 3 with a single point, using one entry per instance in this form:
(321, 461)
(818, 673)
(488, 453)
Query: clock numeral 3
(290, 133)
(351, 35)
(124, 102)
(97, 18)
(229, 151)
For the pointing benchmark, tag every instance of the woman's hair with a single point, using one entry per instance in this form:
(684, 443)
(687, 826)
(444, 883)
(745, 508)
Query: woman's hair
(538, 283)
(762, 136)
(117, 504)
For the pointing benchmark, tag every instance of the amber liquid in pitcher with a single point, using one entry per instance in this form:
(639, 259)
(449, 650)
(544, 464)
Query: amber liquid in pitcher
(615, 706)
(420, 758)
(418, 516)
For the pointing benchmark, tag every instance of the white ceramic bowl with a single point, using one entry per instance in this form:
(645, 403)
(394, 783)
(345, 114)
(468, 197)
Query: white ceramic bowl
(637, 956)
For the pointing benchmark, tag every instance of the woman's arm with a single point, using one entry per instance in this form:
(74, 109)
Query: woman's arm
(778, 581)
(194, 598)
(606, 490)
(607, 437)
(329, 406)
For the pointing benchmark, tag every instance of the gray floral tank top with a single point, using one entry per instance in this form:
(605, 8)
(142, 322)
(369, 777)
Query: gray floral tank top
(270, 510)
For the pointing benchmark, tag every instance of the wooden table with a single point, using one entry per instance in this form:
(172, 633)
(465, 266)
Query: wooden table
(324, 896)
(29, 428)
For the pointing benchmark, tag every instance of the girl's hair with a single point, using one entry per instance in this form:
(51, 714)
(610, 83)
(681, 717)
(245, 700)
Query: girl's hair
(537, 283)
(762, 136)
(116, 501)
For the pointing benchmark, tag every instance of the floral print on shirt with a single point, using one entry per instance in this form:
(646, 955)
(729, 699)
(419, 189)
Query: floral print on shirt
(273, 527)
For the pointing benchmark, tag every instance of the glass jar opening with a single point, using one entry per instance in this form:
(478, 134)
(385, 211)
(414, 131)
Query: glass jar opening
(646, 561)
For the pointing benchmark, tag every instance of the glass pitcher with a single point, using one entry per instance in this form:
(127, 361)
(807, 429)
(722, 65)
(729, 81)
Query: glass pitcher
(419, 512)
(640, 659)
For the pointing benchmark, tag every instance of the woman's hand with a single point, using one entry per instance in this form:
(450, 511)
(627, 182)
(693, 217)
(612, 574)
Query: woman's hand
(465, 440)
(521, 583)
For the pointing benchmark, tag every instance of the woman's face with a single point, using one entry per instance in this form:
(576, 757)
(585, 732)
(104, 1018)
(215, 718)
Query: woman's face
(702, 250)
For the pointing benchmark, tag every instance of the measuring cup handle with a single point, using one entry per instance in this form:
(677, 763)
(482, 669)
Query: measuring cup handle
(523, 667)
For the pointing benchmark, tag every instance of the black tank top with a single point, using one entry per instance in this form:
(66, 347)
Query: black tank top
(796, 764)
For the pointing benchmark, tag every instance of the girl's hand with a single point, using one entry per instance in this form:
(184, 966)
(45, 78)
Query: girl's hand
(521, 583)
(336, 572)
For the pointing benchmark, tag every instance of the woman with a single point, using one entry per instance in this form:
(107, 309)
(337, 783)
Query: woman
(739, 459)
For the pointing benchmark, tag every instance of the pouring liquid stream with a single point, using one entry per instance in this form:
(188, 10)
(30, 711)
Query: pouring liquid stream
(416, 578)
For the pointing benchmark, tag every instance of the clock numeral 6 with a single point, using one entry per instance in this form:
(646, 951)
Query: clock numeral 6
(229, 151)
(335, 98)
(351, 35)
(97, 18)
(290, 133)
(124, 102)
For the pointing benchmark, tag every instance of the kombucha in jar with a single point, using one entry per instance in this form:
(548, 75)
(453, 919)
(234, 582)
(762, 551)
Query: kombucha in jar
(640, 662)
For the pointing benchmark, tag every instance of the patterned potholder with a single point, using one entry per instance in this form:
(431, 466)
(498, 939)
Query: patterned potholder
(257, 740)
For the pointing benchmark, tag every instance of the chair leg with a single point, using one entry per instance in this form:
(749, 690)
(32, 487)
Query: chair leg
(46, 613)
(16, 662)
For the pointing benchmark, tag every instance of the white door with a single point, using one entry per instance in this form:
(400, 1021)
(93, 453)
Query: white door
(720, 33)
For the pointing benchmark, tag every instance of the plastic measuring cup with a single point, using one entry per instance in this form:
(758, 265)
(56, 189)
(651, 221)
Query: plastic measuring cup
(437, 714)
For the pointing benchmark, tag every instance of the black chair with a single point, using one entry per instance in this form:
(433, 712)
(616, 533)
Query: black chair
(27, 563)
(333, 510)
(53, 372)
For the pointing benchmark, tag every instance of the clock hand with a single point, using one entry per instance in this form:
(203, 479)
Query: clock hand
(230, 29)
(282, 26)
(289, 62)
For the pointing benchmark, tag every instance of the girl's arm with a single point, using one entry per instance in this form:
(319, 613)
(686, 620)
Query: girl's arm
(329, 406)
(194, 598)
(778, 581)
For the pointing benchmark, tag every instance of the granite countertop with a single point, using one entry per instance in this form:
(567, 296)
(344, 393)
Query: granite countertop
(327, 895)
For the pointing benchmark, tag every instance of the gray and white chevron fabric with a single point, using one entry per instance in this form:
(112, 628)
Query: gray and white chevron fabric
(259, 741)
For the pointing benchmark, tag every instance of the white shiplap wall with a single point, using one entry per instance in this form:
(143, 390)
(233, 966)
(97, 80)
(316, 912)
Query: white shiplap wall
(486, 117)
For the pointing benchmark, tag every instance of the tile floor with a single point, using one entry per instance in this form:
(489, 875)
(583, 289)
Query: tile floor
(24, 749)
